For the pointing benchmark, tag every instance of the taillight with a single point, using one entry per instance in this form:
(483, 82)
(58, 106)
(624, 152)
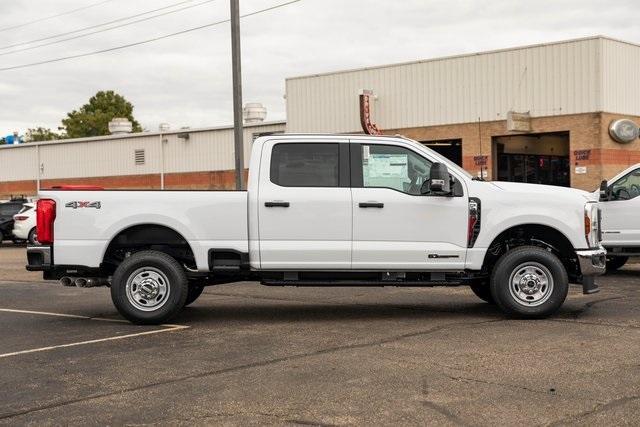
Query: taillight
(473, 224)
(20, 218)
(45, 216)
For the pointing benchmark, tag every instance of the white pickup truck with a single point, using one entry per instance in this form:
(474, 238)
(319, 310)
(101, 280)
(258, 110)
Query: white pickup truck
(620, 205)
(326, 210)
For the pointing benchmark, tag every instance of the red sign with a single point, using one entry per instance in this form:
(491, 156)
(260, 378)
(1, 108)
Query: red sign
(582, 154)
(480, 160)
(368, 126)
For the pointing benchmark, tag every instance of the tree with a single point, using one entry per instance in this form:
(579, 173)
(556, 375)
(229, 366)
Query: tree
(92, 119)
(41, 134)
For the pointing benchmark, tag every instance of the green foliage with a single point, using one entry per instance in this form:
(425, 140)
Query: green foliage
(41, 134)
(92, 119)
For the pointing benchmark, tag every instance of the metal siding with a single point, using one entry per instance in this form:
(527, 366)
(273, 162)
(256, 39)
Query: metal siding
(546, 80)
(620, 77)
(209, 150)
(18, 163)
(99, 158)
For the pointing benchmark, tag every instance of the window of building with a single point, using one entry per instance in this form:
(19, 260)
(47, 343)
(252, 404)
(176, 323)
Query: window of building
(305, 165)
(627, 187)
(397, 168)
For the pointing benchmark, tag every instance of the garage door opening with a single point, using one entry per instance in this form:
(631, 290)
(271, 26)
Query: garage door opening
(450, 148)
(536, 159)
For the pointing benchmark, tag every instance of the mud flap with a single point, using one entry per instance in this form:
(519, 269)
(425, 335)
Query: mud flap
(589, 285)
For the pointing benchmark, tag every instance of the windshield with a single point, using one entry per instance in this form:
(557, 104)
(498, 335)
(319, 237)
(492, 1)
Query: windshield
(627, 187)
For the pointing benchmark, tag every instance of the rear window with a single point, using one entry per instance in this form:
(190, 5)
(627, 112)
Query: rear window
(25, 209)
(305, 165)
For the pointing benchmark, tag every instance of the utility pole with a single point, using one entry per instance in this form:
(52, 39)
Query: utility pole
(237, 94)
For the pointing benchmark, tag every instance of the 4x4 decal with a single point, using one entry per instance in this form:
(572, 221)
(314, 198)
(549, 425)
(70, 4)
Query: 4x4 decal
(77, 205)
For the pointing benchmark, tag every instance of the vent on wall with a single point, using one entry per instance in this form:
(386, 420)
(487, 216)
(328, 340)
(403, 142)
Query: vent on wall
(139, 157)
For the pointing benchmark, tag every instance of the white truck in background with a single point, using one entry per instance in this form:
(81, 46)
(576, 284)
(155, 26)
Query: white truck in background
(326, 210)
(620, 204)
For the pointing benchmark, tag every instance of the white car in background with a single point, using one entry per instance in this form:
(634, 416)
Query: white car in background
(620, 205)
(24, 227)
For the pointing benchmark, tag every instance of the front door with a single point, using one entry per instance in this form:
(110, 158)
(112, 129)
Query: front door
(395, 227)
(620, 216)
(304, 206)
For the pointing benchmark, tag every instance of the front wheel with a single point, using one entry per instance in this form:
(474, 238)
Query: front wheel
(529, 282)
(616, 262)
(149, 287)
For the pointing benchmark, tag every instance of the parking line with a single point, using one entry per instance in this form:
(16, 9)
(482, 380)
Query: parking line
(166, 328)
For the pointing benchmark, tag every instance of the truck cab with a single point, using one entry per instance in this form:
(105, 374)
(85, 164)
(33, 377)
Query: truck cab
(326, 210)
(620, 203)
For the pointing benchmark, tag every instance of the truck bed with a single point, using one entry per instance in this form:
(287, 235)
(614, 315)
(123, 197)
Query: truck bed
(204, 218)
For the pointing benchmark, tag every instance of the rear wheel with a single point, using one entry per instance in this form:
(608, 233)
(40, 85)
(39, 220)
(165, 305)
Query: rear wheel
(616, 262)
(529, 282)
(149, 287)
(483, 291)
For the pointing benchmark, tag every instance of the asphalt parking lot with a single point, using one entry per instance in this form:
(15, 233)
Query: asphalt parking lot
(247, 354)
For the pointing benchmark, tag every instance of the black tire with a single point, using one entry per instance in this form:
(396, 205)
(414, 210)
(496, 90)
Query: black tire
(159, 281)
(33, 237)
(194, 292)
(616, 262)
(483, 291)
(534, 266)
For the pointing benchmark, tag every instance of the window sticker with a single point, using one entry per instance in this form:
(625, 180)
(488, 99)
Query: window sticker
(386, 170)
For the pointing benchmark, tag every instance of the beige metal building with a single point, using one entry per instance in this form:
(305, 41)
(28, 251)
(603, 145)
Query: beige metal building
(176, 159)
(560, 99)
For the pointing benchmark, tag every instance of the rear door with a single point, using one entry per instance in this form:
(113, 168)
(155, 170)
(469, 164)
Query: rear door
(304, 205)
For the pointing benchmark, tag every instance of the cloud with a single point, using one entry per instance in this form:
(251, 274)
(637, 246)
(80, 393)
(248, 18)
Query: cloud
(186, 80)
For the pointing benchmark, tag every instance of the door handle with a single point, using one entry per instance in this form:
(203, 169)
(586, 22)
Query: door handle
(276, 204)
(371, 205)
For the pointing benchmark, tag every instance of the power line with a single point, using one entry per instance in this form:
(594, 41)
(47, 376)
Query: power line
(79, 36)
(79, 30)
(46, 18)
(166, 36)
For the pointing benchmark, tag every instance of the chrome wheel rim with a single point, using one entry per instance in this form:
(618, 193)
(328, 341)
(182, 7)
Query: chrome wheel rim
(531, 284)
(148, 289)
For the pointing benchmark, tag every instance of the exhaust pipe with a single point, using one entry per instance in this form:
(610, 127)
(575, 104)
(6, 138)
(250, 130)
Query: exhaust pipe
(66, 281)
(95, 282)
(81, 282)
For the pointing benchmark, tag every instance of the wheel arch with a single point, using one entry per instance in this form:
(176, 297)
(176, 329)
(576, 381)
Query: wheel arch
(145, 236)
(533, 234)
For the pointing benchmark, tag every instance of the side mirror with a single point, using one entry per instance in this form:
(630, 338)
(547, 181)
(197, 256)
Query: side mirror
(438, 183)
(605, 194)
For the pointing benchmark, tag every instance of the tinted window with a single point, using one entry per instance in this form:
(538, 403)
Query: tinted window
(9, 209)
(305, 165)
(398, 168)
(627, 187)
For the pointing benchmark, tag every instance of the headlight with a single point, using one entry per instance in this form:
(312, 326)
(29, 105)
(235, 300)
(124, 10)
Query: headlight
(592, 224)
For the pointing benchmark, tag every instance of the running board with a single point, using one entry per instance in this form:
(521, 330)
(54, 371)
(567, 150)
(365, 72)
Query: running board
(364, 283)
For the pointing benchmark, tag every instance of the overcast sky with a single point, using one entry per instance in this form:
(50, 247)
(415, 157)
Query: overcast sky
(186, 80)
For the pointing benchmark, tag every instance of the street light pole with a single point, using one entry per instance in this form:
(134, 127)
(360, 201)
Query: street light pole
(237, 94)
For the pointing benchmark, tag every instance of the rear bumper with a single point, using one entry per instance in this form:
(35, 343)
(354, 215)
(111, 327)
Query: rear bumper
(39, 258)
